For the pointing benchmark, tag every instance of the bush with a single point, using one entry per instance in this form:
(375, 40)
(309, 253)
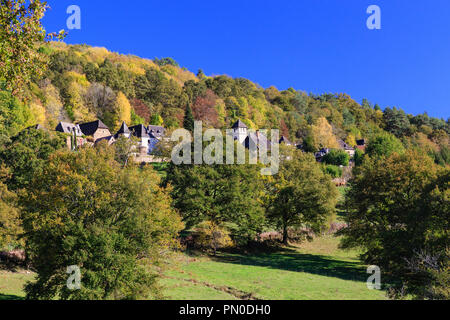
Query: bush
(359, 157)
(334, 171)
(337, 158)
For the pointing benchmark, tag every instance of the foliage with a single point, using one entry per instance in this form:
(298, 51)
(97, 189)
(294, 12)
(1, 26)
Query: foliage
(398, 206)
(14, 115)
(83, 209)
(219, 194)
(25, 155)
(10, 226)
(384, 144)
(323, 135)
(304, 196)
(21, 33)
(337, 157)
(334, 171)
(188, 122)
(358, 157)
(210, 235)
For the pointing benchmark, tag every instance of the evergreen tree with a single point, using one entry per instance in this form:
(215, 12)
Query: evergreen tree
(188, 122)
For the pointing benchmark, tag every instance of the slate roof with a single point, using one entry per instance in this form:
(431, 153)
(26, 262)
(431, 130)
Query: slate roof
(258, 139)
(122, 131)
(90, 128)
(36, 127)
(344, 146)
(139, 131)
(109, 139)
(239, 124)
(156, 131)
(285, 140)
(66, 127)
(361, 142)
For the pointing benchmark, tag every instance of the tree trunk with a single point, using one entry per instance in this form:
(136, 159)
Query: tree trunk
(285, 234)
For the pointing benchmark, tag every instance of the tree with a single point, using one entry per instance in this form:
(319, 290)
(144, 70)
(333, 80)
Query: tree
(323, 135)
(124, 108)
(188, 122)
(10, 225)
(396, 207)
(224, 195)
(25, 155)
(359, 157)
(84, 209)
(14, 115)
(124, 148)
(156, 120)
(304, 196)
(337, 158)
(384, 144)
(204, 109)
(200, 74)
(396, 121)
(21, 32)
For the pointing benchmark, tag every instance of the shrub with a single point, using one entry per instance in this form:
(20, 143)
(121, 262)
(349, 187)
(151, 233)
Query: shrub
(337, 158)
(334, 171)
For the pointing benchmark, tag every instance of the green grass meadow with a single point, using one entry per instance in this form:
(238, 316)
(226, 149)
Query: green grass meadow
(311, 271)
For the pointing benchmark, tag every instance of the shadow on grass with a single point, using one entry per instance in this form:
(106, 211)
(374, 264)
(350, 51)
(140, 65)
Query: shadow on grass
(5, 297)
(291, 260)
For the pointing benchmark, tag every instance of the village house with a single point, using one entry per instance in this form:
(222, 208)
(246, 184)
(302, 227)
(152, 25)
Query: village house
(246, 138)
(322, 153)
(240, 131)
(156, 132)
(75, 134)
(95, 129)
(348, 149)
(124, 131)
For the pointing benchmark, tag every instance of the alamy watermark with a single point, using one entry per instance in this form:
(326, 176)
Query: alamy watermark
(257, 143)
(374, 20)
(374, 281)
(74, 20)
(74, 280)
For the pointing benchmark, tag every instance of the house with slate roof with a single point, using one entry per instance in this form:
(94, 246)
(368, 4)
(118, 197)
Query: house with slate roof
(123, 131)
(240, 131)
(70, 128)
(95, 129)
(140, 132)
(348, 149)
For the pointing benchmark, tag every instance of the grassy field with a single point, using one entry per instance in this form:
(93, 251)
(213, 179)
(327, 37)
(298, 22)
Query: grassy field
(11, 284)
(312, 271)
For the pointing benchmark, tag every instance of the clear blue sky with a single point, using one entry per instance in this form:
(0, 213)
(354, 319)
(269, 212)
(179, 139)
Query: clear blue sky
(312, 45)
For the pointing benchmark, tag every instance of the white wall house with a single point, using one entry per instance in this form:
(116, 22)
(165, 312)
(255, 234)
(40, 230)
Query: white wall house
(240, 131)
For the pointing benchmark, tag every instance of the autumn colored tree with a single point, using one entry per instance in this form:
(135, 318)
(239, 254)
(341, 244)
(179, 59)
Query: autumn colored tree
(204, 109)
(123, 108)
(322, 133)
(21, 34)
(114, 223)
(141, 109)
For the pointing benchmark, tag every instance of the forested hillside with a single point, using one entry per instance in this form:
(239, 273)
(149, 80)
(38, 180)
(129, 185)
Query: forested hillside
(84, 83)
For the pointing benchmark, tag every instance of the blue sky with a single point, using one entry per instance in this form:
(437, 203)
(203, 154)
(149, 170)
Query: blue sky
(312, 45)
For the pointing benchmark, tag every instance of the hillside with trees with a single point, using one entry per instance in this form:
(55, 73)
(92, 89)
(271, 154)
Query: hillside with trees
(122, 222)
(85, 83)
